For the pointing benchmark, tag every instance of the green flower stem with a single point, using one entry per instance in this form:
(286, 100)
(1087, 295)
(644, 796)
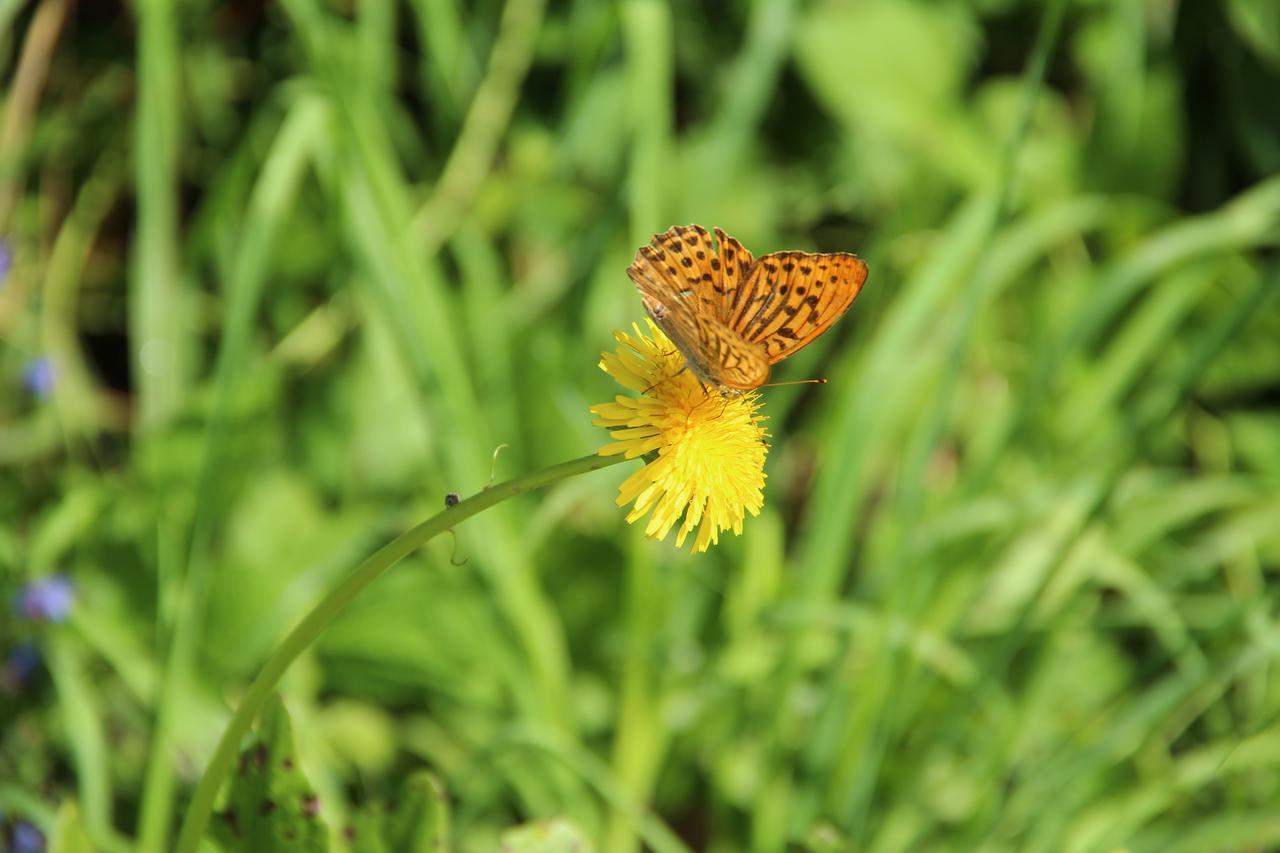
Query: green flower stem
(311, 627)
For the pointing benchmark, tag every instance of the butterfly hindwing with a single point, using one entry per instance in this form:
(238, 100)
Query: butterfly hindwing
(712, 350)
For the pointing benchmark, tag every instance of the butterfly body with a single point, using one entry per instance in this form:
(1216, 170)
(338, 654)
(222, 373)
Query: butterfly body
(732, 315)
(727, 350)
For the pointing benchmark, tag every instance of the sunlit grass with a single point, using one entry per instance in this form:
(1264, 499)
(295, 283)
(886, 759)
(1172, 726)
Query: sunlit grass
(1010, 585)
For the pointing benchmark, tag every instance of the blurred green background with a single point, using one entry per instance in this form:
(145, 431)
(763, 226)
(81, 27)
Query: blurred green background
(279, 276)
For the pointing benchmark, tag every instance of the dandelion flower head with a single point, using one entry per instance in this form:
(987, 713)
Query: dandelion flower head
(704, 452)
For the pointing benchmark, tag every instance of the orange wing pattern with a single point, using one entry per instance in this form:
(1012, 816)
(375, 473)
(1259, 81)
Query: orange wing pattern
(684, 259)
(793, 297)
(683, 306)
(731, 315)
(735, 263)
(711, 349)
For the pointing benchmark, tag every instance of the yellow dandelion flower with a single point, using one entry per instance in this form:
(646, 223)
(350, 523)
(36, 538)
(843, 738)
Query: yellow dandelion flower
(704, 452)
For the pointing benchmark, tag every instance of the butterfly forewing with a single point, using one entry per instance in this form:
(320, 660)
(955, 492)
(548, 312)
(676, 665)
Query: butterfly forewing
(795, 297)
(734, 264)
(683, 256)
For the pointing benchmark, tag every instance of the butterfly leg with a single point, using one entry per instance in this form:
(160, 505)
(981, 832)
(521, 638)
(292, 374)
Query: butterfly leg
(667, 379)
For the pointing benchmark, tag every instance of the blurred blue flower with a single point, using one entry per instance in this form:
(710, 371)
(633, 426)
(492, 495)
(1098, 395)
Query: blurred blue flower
(19, 664)
(47, 599)
(6, 261)
(26, 838)
(38, 376)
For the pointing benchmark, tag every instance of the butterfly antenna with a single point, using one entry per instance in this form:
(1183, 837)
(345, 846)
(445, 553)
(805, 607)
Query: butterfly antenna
(797, 382)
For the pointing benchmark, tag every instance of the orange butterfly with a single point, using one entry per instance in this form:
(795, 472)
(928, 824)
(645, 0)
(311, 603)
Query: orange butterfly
(732, 316)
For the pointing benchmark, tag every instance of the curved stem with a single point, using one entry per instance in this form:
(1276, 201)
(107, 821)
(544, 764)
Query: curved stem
(315, 622)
